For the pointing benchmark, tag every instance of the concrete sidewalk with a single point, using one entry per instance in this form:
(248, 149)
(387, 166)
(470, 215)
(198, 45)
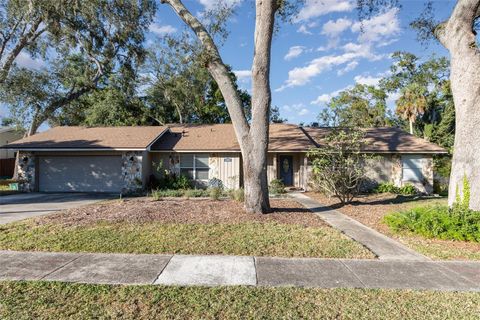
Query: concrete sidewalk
(384, 247)
(239, 270)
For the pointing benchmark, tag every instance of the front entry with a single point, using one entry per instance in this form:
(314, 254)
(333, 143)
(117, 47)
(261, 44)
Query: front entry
(286, 170)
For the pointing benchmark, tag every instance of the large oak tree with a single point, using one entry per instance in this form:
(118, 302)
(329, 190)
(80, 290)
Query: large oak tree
(252, 136)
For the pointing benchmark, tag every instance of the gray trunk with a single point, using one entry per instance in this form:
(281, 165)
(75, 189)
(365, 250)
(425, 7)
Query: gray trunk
(253, 138)
(457, 35)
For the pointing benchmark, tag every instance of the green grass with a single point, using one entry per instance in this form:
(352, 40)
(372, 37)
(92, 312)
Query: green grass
(53, 300)
(250, 238)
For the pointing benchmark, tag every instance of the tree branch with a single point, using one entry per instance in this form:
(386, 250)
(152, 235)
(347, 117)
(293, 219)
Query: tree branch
(217, 69)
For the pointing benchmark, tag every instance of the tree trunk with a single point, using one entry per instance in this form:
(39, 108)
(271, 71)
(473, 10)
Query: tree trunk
(411, 125)
(458, 37)
(252, 138)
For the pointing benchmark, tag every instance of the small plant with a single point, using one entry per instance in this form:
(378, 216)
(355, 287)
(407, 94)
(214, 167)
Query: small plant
(407, 190)
(277, 187)
(158, 194)
(182, 183)
(215, 193)
(388, 187)
(237, 195)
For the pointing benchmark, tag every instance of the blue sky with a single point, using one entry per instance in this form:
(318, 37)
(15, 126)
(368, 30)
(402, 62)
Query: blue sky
(322, 52)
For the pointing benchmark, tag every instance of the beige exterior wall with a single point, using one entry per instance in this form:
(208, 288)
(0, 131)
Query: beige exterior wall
(5, 138)
(223, 166)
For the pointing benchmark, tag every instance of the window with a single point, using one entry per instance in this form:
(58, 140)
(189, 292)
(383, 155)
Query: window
(194, 166)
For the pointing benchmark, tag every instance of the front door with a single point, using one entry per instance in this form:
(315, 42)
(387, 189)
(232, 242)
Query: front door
(286, 170)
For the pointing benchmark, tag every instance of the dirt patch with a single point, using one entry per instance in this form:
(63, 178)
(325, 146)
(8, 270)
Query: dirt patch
(370, 210)
(189, 211)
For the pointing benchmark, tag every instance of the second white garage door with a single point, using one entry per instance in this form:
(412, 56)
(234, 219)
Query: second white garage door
(80, 174)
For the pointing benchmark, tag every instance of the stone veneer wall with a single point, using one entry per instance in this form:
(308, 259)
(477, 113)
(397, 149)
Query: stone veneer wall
(26, 171)
(397, 170)
(132, 172)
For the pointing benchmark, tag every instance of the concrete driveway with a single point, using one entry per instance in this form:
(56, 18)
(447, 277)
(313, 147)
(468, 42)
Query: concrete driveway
(21, 206)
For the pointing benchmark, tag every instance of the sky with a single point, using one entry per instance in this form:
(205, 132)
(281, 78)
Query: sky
(324, 50)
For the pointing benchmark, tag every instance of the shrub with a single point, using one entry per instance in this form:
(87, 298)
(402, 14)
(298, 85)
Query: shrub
(158, 194)
(407, 190)
(237, 195)
(215, 193)
(388, 187)
(338, 167)
(182, 183)
(277, 186)
(196, 193)
(438, 222)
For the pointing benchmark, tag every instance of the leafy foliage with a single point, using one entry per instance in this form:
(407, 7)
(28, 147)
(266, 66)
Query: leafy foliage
(277, 187)
(338, 165)
(406, 190)
(438, 222)
(361, 106)
(455, 223)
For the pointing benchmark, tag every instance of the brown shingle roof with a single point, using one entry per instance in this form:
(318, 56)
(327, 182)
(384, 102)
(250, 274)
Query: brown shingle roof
(215, 137)
(386, 139)
(90, 138)
(221, 137)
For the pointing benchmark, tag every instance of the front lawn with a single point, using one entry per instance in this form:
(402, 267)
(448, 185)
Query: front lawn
(371, 210)
(141, 225)
(54, 300)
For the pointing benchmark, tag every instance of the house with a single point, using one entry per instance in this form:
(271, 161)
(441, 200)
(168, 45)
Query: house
(7, 156)
(8, 135)
(122, 159)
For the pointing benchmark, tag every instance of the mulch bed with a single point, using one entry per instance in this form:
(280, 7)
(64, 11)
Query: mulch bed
(191, 211)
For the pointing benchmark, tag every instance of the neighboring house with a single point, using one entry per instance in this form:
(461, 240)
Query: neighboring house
(8, 135)
(7, 156)
(122, 159)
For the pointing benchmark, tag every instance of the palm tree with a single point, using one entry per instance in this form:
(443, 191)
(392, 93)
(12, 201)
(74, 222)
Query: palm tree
(412, 103)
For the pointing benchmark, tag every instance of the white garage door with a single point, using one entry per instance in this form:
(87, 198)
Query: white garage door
(412, 168)
(80, 174)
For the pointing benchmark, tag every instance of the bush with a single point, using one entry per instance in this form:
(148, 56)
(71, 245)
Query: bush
(388, 187)
(277, 187)
(438, 222)
(237, 195)
(196, 193)
(456, 223)
(215, 193)
(158, 194)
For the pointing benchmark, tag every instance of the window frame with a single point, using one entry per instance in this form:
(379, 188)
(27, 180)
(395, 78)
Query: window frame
(194, 166)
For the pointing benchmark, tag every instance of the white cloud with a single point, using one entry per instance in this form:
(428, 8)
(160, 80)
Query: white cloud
(317, 8)
(301, 75)
(367, 80)
(306, 27)
(351, 66)
(378, 28)
(296, 107)
(212, 4)
(243, 75)
(335, 28)
(326, 97)
(294, 52)
(303, 112)
(160, 30)
(26, 61)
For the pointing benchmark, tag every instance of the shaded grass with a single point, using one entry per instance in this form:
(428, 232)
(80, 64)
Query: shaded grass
(54, 300)
(443, 250)
(247, 238)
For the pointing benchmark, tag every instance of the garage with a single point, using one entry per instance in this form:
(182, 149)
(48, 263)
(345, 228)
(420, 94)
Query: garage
(80, 174)
(412, 168)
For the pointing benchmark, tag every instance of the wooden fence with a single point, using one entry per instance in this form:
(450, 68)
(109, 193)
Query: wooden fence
(6, 167)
